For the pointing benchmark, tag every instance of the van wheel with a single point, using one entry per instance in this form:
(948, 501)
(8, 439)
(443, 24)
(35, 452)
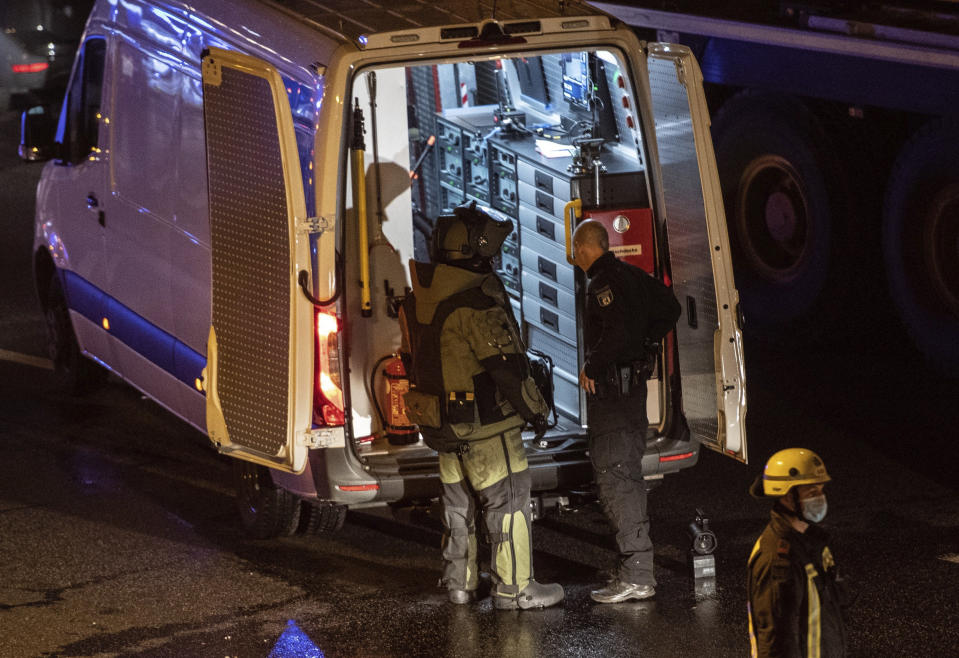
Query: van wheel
(783, 207)
(74, 373)
(266, 511)
(920, 241)
(320, 518)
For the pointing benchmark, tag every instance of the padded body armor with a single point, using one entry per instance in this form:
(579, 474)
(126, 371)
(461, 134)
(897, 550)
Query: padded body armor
(466, 361)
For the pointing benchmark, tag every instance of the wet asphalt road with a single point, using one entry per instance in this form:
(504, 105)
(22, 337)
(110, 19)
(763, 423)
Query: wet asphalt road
(118, 534)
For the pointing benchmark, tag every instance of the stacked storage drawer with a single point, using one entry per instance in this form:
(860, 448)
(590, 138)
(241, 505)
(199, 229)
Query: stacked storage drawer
(548, 280)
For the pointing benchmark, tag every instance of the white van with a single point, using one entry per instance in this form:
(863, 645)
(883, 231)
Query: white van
(237, 189)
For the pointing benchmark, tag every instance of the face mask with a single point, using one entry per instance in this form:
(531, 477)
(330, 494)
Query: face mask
(814, 509)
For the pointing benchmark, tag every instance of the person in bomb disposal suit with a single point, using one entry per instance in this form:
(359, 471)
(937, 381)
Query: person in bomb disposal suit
(797, 600)
(471, 394)
(627, 311)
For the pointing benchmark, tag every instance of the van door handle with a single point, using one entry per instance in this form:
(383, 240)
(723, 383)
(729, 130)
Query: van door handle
(92, 202)
(691, 316)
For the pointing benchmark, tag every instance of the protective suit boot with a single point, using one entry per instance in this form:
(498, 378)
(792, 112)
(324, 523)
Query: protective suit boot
(462, 596)
(534, 595)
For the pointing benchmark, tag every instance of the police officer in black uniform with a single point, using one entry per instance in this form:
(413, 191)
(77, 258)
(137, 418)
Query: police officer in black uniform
(626, 311)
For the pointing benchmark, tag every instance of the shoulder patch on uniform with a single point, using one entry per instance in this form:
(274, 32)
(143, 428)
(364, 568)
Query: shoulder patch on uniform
(604, 296)
(783, 547)
(827, 559)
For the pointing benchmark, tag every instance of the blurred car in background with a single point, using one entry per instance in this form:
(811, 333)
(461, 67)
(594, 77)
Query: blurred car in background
(38, 39)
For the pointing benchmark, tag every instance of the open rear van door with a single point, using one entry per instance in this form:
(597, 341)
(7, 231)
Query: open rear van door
(258, 378)
(708, 334)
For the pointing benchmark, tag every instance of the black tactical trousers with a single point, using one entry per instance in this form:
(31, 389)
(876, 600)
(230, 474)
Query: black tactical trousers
(617, 440)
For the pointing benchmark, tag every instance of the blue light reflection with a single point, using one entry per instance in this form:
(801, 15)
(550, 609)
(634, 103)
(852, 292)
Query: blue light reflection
(294, 643)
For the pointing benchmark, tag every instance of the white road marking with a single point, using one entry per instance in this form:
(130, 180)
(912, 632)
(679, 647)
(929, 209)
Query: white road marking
(26, 359)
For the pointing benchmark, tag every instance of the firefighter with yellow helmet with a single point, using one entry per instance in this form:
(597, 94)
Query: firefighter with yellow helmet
(471, 395)
(796, 599)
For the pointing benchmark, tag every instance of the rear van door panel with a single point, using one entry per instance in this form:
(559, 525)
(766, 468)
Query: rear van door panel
(260, 351)
(708, 336)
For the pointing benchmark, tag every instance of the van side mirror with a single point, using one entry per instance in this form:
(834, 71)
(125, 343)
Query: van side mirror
(37, 127)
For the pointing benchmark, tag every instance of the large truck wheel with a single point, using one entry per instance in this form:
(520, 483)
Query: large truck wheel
(784, 202)
(920, 240)
(74, 373)
(265, 510)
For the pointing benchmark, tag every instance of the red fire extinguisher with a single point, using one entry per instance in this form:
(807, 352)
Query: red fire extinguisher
(399, 429)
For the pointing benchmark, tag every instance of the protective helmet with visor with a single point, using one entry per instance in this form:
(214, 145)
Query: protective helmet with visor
(469, 237)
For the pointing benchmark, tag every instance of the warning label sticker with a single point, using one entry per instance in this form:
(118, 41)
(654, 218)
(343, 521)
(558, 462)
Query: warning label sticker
(627, 250)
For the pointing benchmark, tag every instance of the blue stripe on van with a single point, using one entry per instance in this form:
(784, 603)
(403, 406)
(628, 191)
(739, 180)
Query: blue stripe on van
(142, 337)
(134, 331)
(188, 364)
(82, 296)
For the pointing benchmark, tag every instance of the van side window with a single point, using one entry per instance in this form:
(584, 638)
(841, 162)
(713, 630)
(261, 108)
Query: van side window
(83, 103)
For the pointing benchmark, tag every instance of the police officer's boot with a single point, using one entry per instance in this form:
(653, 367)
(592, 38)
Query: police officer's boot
(534, 595)
(617, 591)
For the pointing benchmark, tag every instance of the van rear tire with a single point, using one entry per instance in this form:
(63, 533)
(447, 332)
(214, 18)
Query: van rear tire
(74, 373)
(266, 511)
(321, 518)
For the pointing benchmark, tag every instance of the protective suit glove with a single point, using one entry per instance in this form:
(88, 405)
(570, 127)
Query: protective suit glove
(540, 426)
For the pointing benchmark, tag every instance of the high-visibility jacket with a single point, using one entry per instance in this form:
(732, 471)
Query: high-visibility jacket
(796, 598)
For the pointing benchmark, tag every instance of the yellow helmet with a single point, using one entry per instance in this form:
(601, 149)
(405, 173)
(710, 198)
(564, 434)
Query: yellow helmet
(792, 467)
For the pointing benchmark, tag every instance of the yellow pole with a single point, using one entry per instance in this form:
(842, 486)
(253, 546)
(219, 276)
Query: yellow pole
(359, 203)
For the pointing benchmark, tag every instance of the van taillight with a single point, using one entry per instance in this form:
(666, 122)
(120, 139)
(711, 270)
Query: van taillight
(327, 385)
(676, 458)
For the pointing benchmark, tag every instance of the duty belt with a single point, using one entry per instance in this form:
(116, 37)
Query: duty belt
(621, 379)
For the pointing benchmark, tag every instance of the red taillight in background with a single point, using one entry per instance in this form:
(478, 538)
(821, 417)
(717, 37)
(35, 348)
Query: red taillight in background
(327, 385)
(35, 67)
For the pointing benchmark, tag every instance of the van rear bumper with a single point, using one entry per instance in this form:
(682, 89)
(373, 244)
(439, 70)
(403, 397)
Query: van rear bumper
(562, 465)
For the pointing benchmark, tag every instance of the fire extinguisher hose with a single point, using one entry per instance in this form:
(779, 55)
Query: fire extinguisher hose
(372, 391)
